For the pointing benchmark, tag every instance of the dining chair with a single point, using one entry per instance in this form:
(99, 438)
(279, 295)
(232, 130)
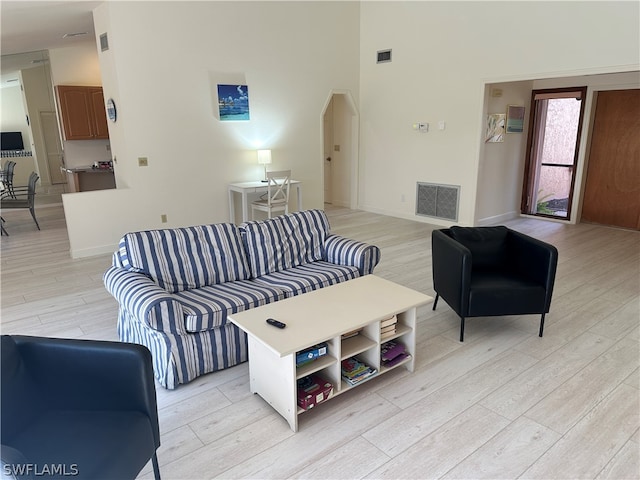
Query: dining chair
(23, 197)
(6, 177)
(277, 200)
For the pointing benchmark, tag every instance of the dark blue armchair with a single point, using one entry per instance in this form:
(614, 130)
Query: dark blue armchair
(77, 408)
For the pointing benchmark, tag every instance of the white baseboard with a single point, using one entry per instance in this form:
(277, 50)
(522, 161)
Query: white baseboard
(498, 219)
(408, 216)
(93, 251)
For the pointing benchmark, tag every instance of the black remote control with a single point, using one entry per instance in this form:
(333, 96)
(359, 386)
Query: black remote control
(276, 323)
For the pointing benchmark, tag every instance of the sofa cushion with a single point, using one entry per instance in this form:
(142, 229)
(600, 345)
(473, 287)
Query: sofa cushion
(487, 244)
(207, 307)
(308, 277)
(284, 242)
(185, 258)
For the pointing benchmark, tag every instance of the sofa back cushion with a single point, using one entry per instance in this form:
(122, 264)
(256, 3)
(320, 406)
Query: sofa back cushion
(285, 241)
(185, 258)
(487, 244)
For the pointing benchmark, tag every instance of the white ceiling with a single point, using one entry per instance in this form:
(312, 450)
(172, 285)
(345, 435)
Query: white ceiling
(31, 26)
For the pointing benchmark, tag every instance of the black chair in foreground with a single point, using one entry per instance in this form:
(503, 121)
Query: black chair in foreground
(22, 197)
(492, 271)
(77, 409)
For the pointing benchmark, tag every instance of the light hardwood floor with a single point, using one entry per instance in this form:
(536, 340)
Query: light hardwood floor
(503, 404)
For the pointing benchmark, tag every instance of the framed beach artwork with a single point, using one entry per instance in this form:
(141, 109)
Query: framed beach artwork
(495, 128)
(515, 119)
(233, 102)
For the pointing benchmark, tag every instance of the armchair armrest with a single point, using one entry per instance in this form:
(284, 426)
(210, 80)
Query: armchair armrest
(533, 259)
(345, 251)
(145, 300)
(451, 266)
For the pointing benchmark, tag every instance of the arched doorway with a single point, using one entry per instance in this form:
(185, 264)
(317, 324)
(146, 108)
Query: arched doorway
(340, 130)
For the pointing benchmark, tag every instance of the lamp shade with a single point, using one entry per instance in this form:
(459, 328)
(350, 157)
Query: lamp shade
(264, 157)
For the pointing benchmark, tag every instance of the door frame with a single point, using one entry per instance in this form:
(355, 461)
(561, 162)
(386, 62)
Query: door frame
(351, 154)
(530, 165)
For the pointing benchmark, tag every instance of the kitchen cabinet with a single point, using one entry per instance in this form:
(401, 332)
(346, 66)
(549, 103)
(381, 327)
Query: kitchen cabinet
(82, 112)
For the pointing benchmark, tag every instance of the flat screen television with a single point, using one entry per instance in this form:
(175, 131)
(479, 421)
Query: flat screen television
(11, 141)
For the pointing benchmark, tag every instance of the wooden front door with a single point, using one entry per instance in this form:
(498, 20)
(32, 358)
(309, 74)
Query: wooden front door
(612, 191)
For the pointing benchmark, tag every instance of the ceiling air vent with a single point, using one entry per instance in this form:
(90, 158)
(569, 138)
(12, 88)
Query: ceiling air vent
(384, 56)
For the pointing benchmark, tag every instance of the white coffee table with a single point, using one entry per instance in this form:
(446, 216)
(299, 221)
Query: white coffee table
(324, 316)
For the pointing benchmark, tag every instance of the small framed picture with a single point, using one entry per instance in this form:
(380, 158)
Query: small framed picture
(233, 102)
(495, 128)
(515, 119)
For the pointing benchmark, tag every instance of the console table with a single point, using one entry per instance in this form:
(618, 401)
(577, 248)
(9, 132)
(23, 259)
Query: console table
(247, 188)
(324, 315)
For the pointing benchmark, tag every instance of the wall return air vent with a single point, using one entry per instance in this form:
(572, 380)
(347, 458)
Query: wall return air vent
(384, 56)
(438, 201)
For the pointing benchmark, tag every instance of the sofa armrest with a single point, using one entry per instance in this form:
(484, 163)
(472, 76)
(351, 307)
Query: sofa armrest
(451, 266)
(146, 301)
(345, 251)
(533, 259)
(91, 375)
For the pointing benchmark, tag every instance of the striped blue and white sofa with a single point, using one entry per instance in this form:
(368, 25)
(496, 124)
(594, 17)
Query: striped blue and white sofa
(176, 286)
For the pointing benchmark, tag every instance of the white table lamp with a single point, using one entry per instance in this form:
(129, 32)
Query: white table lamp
(264, 158)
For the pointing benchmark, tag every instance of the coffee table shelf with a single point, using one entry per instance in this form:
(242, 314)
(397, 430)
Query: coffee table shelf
(315, 366)
(355, 345)
(324, 316)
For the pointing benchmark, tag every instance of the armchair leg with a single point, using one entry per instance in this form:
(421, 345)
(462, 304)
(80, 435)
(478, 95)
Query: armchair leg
(156, 467)
(462, 329)
(435, 302)
(541, 325)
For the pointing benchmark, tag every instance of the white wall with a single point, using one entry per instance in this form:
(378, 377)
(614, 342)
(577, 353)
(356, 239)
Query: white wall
(501, 165)
(13, 117)
(164, 63)
(76, 65)
(167, 57)
(444, 53)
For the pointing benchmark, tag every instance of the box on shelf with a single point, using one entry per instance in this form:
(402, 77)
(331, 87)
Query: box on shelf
(312, 390)
(309, 354)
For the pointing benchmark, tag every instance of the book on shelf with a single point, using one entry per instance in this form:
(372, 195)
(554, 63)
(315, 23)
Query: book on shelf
(389, 321)
(352, 333)
(390, 328)
(391, 349)
(400, 358)
(388, 334)
(355, 371)
(392, 353)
